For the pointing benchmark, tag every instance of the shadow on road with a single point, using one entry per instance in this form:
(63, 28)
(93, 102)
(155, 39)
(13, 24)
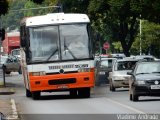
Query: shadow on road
(59, 97)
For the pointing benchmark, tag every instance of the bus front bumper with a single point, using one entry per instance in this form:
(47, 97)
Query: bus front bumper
(61, 81)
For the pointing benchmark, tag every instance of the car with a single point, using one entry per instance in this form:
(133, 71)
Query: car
(145, 80)
(104, 66)
(118, 77)
(146, 57)
(118, 55)
(11, 64)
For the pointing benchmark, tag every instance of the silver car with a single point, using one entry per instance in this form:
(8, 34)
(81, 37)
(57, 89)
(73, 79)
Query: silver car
(118, 77)
(10, 64)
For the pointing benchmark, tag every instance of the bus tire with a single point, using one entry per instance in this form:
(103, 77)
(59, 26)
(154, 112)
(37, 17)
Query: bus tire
(73, 92)
(28, 93)
(36, 95)
(84, 92)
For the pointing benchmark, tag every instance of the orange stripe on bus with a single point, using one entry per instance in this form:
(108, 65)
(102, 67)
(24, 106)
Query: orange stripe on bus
(40, 83)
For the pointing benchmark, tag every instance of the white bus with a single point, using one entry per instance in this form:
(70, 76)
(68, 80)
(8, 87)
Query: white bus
(57, 54)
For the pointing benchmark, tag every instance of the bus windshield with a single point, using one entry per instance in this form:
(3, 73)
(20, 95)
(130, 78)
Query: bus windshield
(59, 42)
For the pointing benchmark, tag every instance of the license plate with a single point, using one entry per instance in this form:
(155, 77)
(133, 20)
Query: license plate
(102, 73)
(155, 86)
(62, 86)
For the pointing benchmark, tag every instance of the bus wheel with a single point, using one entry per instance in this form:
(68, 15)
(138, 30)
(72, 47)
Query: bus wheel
(36, 95)
(73, 92)
(28, 93)
(84, 92)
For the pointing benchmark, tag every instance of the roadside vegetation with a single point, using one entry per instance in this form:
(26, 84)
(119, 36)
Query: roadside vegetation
(114, 21)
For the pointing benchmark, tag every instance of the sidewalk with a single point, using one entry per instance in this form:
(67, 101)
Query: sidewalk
(7, 105)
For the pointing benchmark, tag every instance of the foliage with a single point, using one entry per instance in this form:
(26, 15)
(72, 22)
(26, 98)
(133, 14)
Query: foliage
(75, 6)
(150, 39)
(11, 20)
(113, 20)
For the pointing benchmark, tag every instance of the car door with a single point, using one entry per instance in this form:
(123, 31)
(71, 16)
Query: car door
(15, 64)
(9, 64)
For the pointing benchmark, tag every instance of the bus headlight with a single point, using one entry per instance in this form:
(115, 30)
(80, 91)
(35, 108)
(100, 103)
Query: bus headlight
(86, 70)
(41, 73)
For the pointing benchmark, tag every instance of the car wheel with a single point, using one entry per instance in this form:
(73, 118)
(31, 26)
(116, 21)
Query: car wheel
(36, 95)
(28, 93)
(112, 88)
(84, 92)
(134, 96)
(130, 97)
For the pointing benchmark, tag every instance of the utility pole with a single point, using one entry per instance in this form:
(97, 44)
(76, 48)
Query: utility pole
(140, 33)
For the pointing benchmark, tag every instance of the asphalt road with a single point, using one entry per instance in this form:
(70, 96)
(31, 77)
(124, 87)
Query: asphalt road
(102, 104)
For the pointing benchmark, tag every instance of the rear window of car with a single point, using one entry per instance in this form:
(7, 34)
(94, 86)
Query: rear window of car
(125, 65)
(107, 63)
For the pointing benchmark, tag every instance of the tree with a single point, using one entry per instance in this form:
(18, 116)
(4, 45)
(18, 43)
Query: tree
(120, 18)
(150, 39)
(3, 7)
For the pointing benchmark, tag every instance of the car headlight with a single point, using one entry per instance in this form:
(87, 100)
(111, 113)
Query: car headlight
(41, 73)
(140, 82)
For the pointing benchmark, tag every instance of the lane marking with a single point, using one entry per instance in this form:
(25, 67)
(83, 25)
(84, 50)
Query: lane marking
(126, 106)
(14, 115)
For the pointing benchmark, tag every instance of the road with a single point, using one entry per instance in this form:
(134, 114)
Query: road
(102, 102)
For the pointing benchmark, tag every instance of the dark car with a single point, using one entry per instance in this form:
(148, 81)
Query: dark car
(145, 80)
(104, 66)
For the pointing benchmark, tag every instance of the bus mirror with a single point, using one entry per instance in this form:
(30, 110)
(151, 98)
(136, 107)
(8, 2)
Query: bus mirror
(2, 34)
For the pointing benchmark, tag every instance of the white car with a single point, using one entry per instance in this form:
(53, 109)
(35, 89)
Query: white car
(118, 77)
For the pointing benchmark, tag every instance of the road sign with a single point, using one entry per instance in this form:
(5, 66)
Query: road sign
(106, 46)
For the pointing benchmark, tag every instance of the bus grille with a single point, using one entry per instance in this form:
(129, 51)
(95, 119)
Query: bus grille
(61, 66)
(62, 81)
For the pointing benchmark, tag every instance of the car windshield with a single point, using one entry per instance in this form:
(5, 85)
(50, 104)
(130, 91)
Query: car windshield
(61, 42)
(125, 65)
(149, 67)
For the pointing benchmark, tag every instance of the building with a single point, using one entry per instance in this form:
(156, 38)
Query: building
(11, 41)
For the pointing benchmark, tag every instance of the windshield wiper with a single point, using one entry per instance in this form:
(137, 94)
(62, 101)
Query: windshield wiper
(52, 54)
(155, 72)
(142, 73)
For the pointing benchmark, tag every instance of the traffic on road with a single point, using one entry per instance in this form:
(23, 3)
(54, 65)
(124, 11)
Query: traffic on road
(79, 60)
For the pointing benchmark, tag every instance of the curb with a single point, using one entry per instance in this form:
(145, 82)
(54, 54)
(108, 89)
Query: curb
(6, 91)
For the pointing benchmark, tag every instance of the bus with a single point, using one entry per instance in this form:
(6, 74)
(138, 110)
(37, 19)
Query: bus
(57, 54)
